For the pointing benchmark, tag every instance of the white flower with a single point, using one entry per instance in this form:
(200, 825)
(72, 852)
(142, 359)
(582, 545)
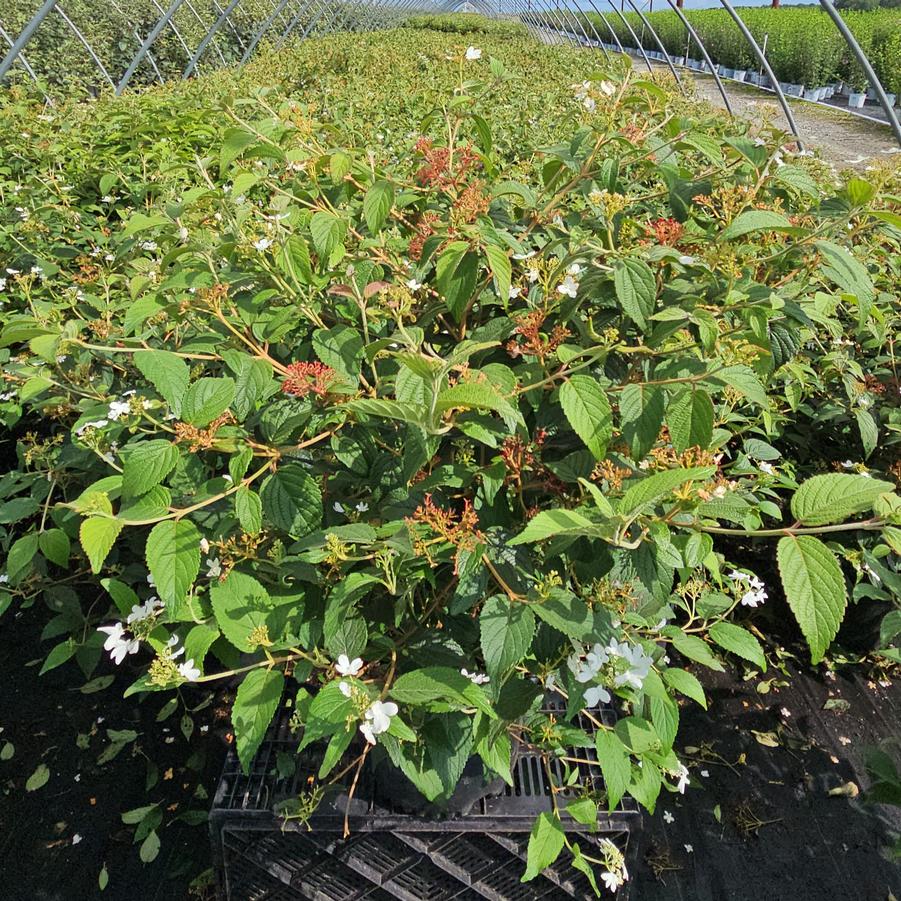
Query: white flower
(213, 568)
(117, 409)
(76, 838)
(607, 87)
(118, 643)
(344, 688)
(639, 664)
(4, 578)
(98, 424)
(414, 285)
(533, 274)
(575, 270)
(590, 104)
(767, 468)
(738, 576)
(785, 712)
(183, 234)
(477, 678)
(611, 881)
(362, 507)
(338, 507)
(262, 244)
(379, 719)
(595, 695)
(150, 581)
(848, 464)
(684, 778)
(204, 546)
(188, 671)
(755, 595)
(689, 849)
(473, 53)
(569, 286)
(514, 292)
(344, 666)
(149, 245)
(171, 643)
(686, 260)
(2, 284)
(107, 199)
(140, 612)
(668, 817)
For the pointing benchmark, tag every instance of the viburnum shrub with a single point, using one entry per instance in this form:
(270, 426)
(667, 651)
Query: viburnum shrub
(422, 435)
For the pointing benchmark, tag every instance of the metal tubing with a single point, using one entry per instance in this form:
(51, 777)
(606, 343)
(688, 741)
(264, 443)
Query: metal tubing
(230, 24)
(148, 42)
(861, 57)
(199, 18)
(647, 62)
(767, 68)
(265, 27)
(693, 34)
(294, 23)
(550, 13)
(25, 64)
(25, 36)
(609, 26)
(87, 46)
(174, 28)
(659, 43)
(204, 43)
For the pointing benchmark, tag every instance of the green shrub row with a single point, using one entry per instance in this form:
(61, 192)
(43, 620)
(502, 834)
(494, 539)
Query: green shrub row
(802, 44)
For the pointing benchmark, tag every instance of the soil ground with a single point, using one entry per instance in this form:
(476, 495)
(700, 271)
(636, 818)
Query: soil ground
(758, 815)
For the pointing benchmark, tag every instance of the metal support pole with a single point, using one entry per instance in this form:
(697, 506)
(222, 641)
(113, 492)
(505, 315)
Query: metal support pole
(867, 67)
(265, 27)
(148, 42)
(87, 46)
(769, 70)
(25, 64)
(205, 42)
(659, 43)
(610, 28)
(25, 36)
(625, 21)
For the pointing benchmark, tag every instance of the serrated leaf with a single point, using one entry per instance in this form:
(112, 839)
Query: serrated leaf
(545, 844)
(660, 485)
(565, 612)
(206, 399)
(834, 497)
(249, 510)
(173, 557)
(586, 407)
(615, 766)
(328, 231)
(98, 535)
(685, 683)
(499, 264)
(814, 588)
(641, 408)
(846, 271)
(755, 221)
(456, 274)
(690, 420)
(292, 500)
(147, 463)
(738, 641)
(255, 705)
(552, 522)
(167, 372)
(475, 395)
(440, 683)
(340, 347)
(696, 649)
(506, 631)
(55, 546)
(377, 205)
(241, 606)
(293, 259)
(636, 290)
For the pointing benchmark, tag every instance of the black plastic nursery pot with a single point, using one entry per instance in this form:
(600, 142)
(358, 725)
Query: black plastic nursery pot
(259, 854)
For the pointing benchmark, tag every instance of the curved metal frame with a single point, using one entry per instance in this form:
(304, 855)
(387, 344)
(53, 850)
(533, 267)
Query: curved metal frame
(567, 19)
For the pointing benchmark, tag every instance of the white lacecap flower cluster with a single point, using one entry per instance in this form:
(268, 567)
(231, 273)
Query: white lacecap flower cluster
(586, 665)
(755, 593)
(615, 874)
(377, 718)
(570, 284)
(476, 678)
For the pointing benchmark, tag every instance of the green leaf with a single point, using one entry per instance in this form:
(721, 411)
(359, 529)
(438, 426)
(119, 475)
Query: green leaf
(98, 535)
(814, 588)
(637, 734)
(255, 705)
(456, 274)
(173, 557)
(150, 847)
(636, 290)
(377, 205)
(167, 372)
(685, 683)
(423, 687)
(249, 510)
(545, 844)
(328, 232)
(615, 766)
(292, 501)
(64, 651)
(506, 633)
(755, 221)
(340, 347)
(38, 779)
(696, 649)
(738, 641)
(206, 399)
(690, 420)
(499, 264)
(641, 408)
(660, 485)
(147, 463)
(552, 522)
(833, 498)
(478, 396)
(565, 612)
(253, 378)
(55, 546)
(241, 606)
(327, 715)
(846, 271)
(586, 407)
(293, 260)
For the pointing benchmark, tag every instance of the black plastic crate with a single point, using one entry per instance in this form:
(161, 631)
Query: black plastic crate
(261, 856)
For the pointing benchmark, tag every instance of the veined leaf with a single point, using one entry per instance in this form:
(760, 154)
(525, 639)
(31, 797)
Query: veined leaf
(377, 205)
(636, 290)
(738, 641)
(586, 407)
(506, 633)
(255, 705)
(834, 497)
(658, 486)
(545, 844)
(167, 372)
(690, 420)
(173, 557)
